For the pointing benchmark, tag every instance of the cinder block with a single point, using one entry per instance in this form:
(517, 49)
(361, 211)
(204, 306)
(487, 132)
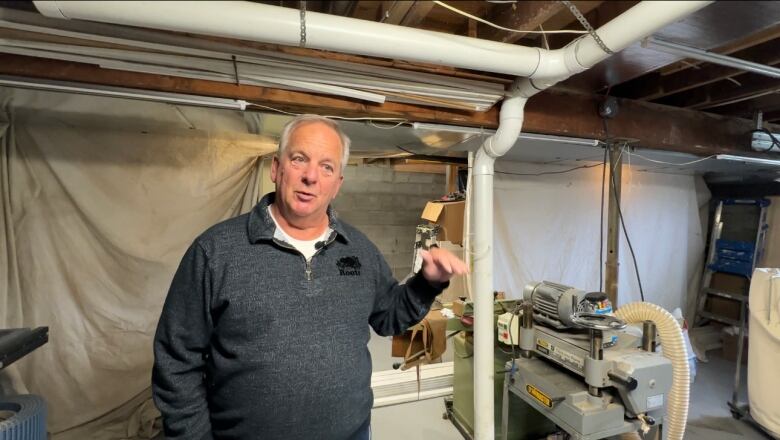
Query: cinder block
(421, 178)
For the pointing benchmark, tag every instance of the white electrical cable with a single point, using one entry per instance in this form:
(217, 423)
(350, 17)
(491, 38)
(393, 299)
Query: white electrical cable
(675, 350)
(682, 164)
(520, 31)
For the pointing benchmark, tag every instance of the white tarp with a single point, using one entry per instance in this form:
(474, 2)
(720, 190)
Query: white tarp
(764, 353)
(100, 198)
(547, 228)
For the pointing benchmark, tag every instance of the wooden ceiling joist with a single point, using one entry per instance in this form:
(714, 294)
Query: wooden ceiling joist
(526, 15)
(552, 113)
(747, 86)
(665, 85)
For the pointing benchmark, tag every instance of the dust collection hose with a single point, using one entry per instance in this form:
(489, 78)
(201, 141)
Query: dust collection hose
(674, 349)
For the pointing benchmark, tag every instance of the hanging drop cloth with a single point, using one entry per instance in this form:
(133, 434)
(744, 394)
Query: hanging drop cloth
(100, 199)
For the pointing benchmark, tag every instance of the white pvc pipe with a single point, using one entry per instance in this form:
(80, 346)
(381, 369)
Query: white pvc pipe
(278, 25)
(675, 350)
(274, 24)
(511, 120)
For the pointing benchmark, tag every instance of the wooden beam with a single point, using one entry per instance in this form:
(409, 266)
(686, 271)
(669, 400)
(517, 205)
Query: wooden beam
(394, 11)
(768, 34)
(550, 112)
(564, 19)
(452, 178)
(750, 86)
(655, 126)
(527, 15)
(417, 13)
(344, 8)
(657, 86)
(772, 116)
(748, 108)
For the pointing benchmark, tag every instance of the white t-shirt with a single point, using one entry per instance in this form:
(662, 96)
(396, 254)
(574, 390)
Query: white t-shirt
(306, 247)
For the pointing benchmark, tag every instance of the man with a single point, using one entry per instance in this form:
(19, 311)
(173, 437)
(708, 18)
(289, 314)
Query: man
(263, 334)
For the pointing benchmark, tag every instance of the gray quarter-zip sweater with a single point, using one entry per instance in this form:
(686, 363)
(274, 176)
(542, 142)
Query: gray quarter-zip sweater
(256, 343)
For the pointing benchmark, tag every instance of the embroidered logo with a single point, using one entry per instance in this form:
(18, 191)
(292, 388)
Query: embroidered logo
(349, 266)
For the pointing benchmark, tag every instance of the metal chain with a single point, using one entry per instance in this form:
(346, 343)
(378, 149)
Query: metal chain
(303, 23)
(584, 21)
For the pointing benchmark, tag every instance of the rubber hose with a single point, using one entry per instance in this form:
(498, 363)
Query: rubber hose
(674, 349)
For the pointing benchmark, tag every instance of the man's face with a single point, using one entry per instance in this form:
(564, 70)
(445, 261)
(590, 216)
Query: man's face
(308, 174)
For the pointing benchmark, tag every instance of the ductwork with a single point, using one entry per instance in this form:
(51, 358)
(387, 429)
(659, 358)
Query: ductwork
(538, 69)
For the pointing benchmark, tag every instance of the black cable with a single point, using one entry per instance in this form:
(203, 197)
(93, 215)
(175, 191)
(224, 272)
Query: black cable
(548, 172)
(628, 240)
(601, 220)
(622, 221)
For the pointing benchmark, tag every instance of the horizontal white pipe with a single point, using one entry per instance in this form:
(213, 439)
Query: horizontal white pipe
(273, 24)
(278, 25)
(710, 57)
(633, 25)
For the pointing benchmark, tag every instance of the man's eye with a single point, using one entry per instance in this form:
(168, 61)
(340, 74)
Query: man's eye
(328, 168)
(297, 159)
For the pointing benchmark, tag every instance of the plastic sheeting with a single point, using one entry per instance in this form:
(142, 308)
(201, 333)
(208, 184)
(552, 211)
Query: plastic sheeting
(100, 199)
(764, 353)
(547, 228)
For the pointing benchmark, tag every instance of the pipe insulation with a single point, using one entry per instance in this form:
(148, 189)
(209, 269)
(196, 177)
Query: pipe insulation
(674, 349)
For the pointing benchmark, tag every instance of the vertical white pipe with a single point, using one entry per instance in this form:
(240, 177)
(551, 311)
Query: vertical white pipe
(511, 121)
(467, 228)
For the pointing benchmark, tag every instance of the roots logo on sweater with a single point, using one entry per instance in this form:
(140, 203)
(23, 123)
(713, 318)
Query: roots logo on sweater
(349, 266)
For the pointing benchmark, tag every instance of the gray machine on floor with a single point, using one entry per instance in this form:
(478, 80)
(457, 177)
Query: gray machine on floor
(580, 366)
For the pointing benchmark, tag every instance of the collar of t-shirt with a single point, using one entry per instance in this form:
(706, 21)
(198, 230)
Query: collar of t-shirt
(306, 247)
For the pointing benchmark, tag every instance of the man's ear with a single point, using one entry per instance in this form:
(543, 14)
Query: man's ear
(274, 168)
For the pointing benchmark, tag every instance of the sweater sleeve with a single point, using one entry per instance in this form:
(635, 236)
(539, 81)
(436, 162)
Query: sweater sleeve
(399, 306)
(180, 348)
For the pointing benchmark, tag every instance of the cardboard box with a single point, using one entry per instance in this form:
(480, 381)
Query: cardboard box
(448, 215)
(458, 307)
(731, 344)
(730, 283)
(457, 288)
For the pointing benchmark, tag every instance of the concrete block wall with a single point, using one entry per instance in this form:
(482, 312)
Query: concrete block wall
(386, 206)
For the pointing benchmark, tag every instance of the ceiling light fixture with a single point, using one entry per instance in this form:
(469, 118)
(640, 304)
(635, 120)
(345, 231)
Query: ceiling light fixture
(748, 159)
(710, 57)
(526, 136)
(116, 92)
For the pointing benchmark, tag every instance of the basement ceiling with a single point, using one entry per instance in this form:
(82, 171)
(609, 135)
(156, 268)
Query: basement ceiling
(748, 30)
(654, 85)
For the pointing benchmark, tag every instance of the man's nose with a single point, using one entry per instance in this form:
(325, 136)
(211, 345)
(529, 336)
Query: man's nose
(310, 174)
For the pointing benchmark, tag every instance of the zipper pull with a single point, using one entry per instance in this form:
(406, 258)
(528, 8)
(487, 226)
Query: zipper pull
(308, 270)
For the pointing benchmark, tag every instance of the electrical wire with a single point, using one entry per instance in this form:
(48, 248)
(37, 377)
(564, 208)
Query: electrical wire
(601, 222)
(548, 172)
(670, 163)
(613, 187)
(521, 31)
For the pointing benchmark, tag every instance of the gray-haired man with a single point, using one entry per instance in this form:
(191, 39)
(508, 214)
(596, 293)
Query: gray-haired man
(263, 333)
